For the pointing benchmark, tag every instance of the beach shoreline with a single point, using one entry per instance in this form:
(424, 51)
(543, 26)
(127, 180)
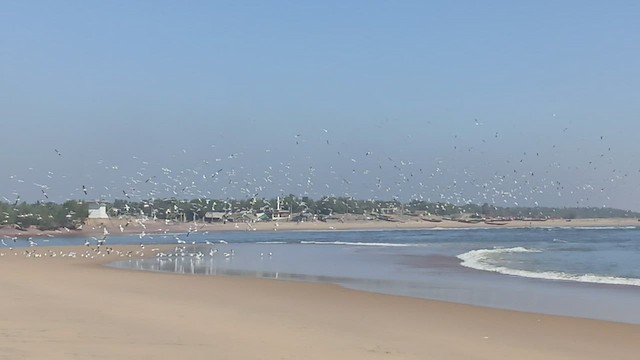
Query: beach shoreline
(115, 227)
(66, 307)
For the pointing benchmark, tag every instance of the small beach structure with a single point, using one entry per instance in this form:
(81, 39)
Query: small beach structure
(97, 211)
(215, 216)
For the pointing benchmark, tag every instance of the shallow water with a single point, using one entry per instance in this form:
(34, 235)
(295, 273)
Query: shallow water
(425, 264)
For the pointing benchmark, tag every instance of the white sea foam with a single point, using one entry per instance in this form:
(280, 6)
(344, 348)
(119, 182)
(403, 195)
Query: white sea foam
(354, 243)
(480, 260)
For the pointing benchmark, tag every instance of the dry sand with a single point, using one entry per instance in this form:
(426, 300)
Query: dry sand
(122, 227)
(64, 308)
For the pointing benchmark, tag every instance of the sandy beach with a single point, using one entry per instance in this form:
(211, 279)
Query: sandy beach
(76, 308)
(114, 227)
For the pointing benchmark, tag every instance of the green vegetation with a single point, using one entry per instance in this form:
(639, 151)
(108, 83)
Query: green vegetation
(44, 216)
(71, 214)
(489, 211)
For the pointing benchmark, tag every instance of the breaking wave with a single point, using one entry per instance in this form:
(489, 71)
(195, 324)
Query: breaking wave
(482, 260)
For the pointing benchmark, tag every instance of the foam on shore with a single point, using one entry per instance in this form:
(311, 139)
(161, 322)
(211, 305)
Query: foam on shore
(481, 260)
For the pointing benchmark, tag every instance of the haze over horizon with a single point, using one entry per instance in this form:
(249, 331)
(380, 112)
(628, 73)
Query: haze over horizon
(499, 102)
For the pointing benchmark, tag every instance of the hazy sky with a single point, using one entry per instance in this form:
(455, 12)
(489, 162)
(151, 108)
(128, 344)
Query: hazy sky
(512, 103)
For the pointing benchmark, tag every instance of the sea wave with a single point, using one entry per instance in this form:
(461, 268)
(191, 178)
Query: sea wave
(271, 242)
(354, 243)
(480, 260)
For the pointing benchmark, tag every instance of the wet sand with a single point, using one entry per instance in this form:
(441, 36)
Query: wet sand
(76, 308)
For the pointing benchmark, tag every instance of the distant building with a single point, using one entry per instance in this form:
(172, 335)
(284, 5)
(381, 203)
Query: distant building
(215, 216)
(388, 210)
(98, 211)
(242, 217)
(280, 213)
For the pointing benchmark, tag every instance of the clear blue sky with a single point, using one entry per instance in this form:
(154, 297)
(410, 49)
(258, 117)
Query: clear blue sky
(498, 101)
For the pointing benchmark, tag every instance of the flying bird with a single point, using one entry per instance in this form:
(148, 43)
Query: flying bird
(216, 173)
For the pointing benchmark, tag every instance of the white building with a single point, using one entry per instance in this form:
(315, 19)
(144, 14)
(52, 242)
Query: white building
(97, 211)
(280, 213)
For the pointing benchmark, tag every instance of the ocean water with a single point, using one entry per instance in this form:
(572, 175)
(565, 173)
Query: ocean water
(584, 272)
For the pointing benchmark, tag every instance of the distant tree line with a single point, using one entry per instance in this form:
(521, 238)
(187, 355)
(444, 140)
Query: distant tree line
(174, 209)
(71, 214)
(44, 215)
(490, 211)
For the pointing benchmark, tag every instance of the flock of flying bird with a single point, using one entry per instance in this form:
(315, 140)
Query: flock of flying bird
(97, 247)
(336, 170)
(477, 169)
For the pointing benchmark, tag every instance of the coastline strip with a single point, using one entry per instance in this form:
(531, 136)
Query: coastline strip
(63, 307)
